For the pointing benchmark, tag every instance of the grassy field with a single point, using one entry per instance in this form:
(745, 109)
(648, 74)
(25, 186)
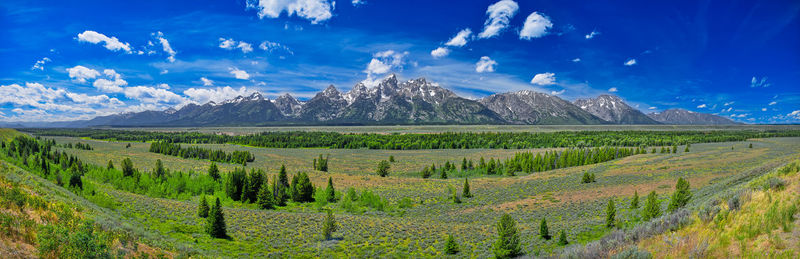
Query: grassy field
(418, 228)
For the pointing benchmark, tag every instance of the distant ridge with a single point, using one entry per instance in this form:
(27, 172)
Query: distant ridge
(685, 117)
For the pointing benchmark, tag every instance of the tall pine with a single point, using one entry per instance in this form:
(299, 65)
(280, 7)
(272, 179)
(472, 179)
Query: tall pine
(216, 222)
(202, 209)
(466, 192)
(507, 243)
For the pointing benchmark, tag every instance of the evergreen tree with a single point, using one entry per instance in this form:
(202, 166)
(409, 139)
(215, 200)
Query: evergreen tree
(654, 151)
(635, 200)
(281, 187)
(202, 209)
(466, 192)
(443, 173)
(391, 158)
(329, 225)
(110, 165)
(592, 178)
(159, 172)
(543, 231)
(303, 188)
(681, 195)
(687, 149)
(652, 208)
(456, 200)
(586, 178)
(216, 222)
(383, 168)
(674, 149)
(213, 171)
(464, 164)
(562, 238)
(507, 243)
(329, 191)
(751, 145)
(127, 167)
(426, 172)
(611, 213)
(450, 246)
(266, 200)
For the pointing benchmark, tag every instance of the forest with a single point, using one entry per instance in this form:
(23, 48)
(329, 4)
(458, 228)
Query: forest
(235, 157)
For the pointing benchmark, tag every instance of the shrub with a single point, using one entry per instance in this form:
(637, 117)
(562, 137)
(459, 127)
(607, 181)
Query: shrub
(543, 231)
(329, 225)
(383, 168)
(652, 208)
(450, 246)
(562, 238)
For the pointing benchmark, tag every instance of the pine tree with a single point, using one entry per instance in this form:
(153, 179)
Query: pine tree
(681, 195)
(751, 145)
(329, 191)
(464, 164)
(110, 165)
(586, 178)
(507, 243)
(329, 225)
(266, 200)
(652, 208)
(562, 238)
(654, 151)
(383, 168)
(159, 172)
(466, 192)
(216, 222)
(611, 213)
(202, 209)
(450, 246)
(281, 187)
(543, 231)
(443, 175)
(686, 149)
(127, 167)
(674, 149)
(456, 199)
(635, 200)
(426, 172)
(213, 171)
(391, 159)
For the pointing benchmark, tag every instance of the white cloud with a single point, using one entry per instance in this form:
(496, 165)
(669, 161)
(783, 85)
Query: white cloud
(592, 34)
(385, 61)
(80, 73)
(358, 2)
(40, 64)
(763, 109)
(148, 94)
(773, 103)
(576, 60)
(794, 114)
(239, 74)
(166, 47)
(536, 26)
(701, 106)
(206, 81)
(728, 103)
(113, 84)
(245, 47)
(314, 10)
(219, 94)
(630, 62)
(485, 64)
(94, 99)
(440, 52)
(612, 89)
(231, 44)
(274, 46)
(544, 79)
(460, 39)
(759, 83)
(727, 110)
(739, 115)
(111, 43)
(652, 108)
(500, 15)
(558, 92)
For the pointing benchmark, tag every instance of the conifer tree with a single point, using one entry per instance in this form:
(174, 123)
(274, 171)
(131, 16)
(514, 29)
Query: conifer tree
(466, 192)
(450, 246)
(426, 172)
(127, 167)
(159, 172)
(213, 171)
(391, 158)
(281, 187)
(681, 195)
(611, 213)
(329, 191)
(329, 225)
(266, 200)
(562, 238)
(652, 208)
(383, 168)
(543, 231)
(202, 209)
(507, 243)
(216, 222)
(635, 200)
(654, 151)
(464, 164)
(303, 188)
(751, 145)
(456, 199)
(109, 166)
(674, 149)
(687, 149)
(443, 173)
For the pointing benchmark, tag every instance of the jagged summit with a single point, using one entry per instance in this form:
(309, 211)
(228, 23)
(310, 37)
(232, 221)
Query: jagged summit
(613, 109)
(686, 117)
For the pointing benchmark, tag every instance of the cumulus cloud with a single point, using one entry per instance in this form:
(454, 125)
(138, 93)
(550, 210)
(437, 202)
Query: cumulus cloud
(485, 64)
(558, 92)
(166, 47)
(231, 44)
(460, 39)
(794, 114)
(759, 83)
(110, 43)
(315, 11)
(592, 34)
(612, 89)
(500, 15)
(536, 26)
(544, 79)
(39, 65)
(630, 62)
(219, 94)
(112, 84)
(148, 94)
(239, 74)
(701, 106)
(206, 81)
(440, 52)
(274, 46)
(80, 73)
(245, 47)
(385, 61)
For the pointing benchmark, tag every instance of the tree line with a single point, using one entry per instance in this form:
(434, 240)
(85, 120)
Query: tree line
(235, 157)
(446, 140)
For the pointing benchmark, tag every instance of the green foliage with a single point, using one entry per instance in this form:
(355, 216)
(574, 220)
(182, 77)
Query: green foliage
(159, 171)
(58, 241)
(213, 171)
(466, 192)
(681, 195)
(127, 167)
(507, 243)
(635, 200)
(265, 197)
(456, 199)
(450, 246)
(281, 187)
(202, 209)
(329, 225)
(321, 164)
(611, 213)
(686, 149)
(302, 188)
(383, 168)
(110, 165)
(215, 225)
(330, 192)
(426, 172)
(544, 232)
(562, 238)
(391, 158)
(235, 183)
(235, 157)
(750, 146)
(652, 207)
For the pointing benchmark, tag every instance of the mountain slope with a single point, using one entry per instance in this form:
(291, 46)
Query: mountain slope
(613, 109)
(684, 117)
(529, 107)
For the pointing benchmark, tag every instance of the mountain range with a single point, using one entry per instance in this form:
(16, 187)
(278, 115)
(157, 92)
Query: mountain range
(393, 102)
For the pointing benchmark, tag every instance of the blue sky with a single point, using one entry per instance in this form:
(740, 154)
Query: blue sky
(64, 61)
